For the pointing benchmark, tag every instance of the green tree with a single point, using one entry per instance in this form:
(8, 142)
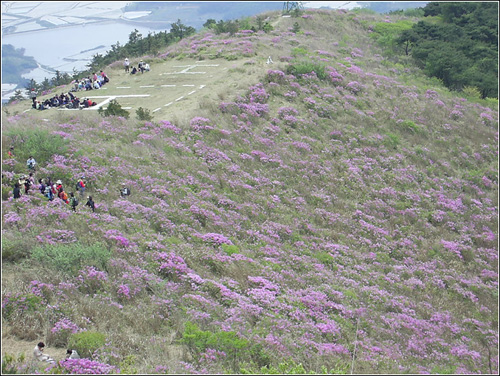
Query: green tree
(210, 23)
(179, 30)
(32, 84)
(267, 27)
(114, 109)
(462, 50)
(17, 96)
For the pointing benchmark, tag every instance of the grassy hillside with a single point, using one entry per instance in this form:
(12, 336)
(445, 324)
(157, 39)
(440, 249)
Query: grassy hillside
(334, 212)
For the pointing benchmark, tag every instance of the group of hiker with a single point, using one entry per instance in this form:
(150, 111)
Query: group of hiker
(52, 190)
(142, 67)
(96, 81)
(64, 100)
(69, 100)
(40, 356)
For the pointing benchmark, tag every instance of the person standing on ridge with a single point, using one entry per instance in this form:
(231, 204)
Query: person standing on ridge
(33, 95)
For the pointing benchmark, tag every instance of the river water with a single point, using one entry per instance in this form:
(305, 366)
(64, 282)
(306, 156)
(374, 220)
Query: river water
(50, 47)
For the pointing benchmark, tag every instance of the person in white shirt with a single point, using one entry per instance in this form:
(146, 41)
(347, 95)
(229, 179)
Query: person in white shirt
(39, 355)
(30, 163)
(72, 354)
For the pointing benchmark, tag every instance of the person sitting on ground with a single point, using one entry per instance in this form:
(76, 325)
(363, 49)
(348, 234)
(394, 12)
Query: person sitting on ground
(88, 85)
(90, 203)
(72, 354)
(31, 163)
(104, 77)
(96, 84)
(147, 68)
(134, 70)
(124, 191)
(39, 355)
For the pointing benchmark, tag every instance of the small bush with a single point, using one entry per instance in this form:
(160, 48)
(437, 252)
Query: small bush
(230, 249)
(39, 143)
(471, 92)
(86, 343)
(392, 141)
(409, 126)
(114, 109)
(70, 258)
(307, 67)
(143, 114)
(14, 249)
(324, 258)
(20, 304)
(5, 194)
(198, 341)
(298, 51)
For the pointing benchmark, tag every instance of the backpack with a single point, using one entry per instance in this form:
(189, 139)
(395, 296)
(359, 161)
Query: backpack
(78, 186)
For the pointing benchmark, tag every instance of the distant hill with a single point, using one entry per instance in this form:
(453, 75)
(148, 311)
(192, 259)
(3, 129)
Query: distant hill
(14, 64)
(195, 14)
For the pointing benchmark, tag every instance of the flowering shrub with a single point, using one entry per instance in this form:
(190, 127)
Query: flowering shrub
(215, 239)
(355, 87)
(61, 331)
(171, 265)
(199, 124)
(18, 304)
(456, 114)
(276, 76)
(258, 94)
(83, 367)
